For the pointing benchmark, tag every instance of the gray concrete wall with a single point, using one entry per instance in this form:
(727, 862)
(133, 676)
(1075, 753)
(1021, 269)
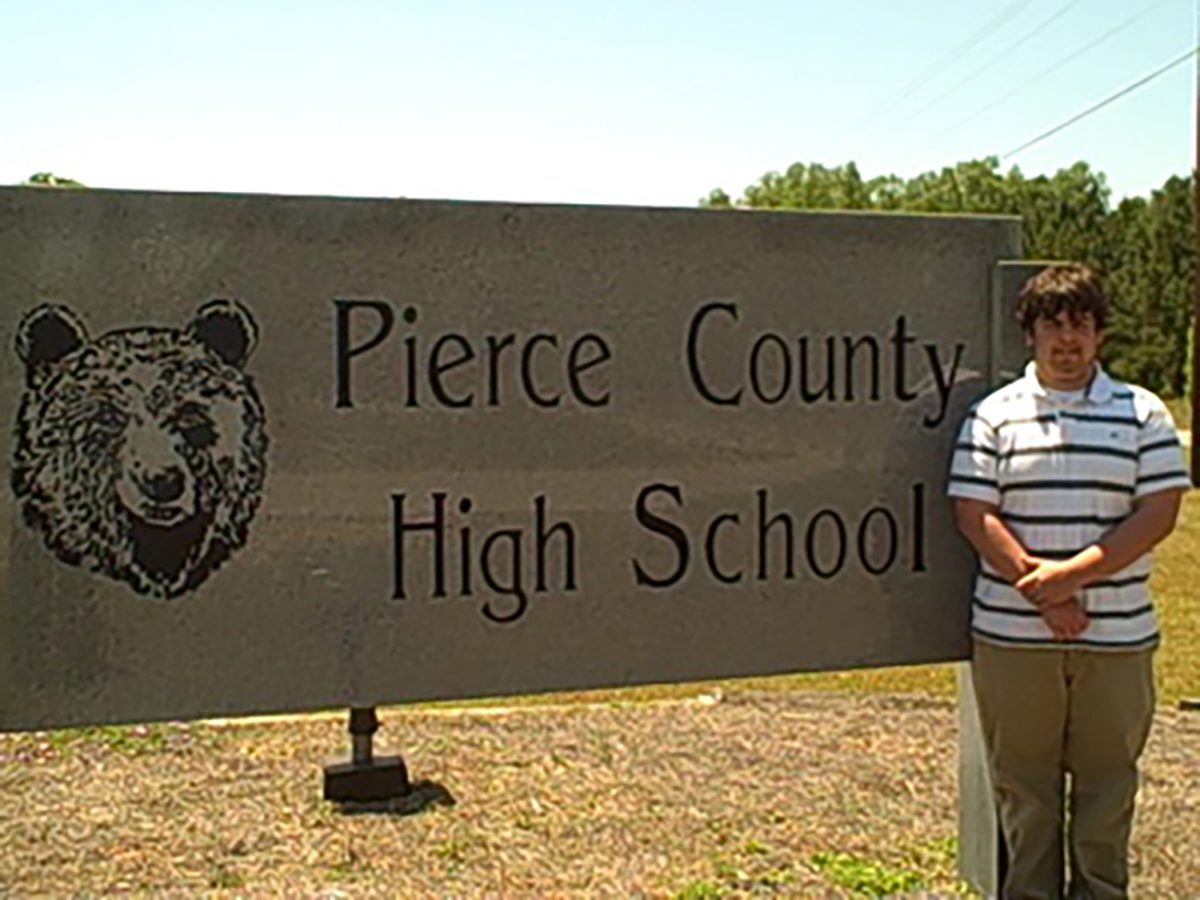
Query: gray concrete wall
(629, 456)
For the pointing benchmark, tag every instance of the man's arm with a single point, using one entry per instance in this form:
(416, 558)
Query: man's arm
(1051, 582)
(994, 541)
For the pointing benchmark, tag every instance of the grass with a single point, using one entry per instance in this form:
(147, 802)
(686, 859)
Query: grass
(788, 794)
(1181, 411)
(865, 877)
(1177, 600)
(702, 890)
(132, 739)
(752, 868)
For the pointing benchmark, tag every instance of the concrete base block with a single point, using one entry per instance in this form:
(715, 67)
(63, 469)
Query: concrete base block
(382, 778)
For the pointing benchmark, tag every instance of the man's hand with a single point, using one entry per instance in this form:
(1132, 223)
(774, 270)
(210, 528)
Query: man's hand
(1066, 620)
(1049, 583)
(1053, 587)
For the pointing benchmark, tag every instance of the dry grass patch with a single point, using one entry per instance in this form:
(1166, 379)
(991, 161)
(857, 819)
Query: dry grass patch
(1176, 590)
(747, 795)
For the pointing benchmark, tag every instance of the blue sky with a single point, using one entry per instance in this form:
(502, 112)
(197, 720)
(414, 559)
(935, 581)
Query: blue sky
(639, 102)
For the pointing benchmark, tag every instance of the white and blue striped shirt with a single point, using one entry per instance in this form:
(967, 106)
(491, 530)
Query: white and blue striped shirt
(1063, 470)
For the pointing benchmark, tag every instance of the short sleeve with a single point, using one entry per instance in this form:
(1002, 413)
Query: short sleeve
(973, 465)
(1160, 455)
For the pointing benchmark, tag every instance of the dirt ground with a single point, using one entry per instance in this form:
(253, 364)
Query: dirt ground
(737, 795)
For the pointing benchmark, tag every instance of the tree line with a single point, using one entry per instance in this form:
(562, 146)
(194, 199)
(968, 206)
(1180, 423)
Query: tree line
(1143, 247)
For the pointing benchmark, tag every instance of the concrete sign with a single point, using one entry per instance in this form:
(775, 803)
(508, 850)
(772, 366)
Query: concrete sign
(270, 454)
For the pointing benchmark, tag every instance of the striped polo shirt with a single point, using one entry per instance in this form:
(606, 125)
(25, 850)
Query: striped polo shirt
(1063, 469)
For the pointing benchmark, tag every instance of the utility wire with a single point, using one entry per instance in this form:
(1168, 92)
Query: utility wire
(957, 53)
(1112, 32)
(1129, 89)
(999, 57)
(953, 183)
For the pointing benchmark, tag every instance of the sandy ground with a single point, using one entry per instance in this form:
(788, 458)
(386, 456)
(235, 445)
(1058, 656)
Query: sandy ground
(738, 795)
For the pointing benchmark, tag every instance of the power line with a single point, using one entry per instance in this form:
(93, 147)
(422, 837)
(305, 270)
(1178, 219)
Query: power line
(999, 57)
(953, 183)
(1112, 32)
(1129, 89)
(955, 54)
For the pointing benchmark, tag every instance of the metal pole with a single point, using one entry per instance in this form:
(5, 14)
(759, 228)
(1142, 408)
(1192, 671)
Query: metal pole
(1195, 424)
(363, 725)
(365, 777)
(1193, 704)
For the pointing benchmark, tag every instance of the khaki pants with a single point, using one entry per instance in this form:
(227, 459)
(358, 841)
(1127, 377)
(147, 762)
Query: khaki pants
(1053, 711)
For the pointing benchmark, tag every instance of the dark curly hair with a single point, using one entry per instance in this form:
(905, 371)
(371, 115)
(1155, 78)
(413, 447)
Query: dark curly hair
(1071, 288)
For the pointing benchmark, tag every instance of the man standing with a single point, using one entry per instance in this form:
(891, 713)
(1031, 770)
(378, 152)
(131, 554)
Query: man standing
(1063, 481)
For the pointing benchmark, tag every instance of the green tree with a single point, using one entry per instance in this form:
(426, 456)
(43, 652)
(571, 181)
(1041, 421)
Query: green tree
(1150, 279)
(49, 179)
(1144, 247)
(809, 186)
(717, 199)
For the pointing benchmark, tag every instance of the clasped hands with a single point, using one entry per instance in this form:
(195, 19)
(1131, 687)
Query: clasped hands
(1053, 587)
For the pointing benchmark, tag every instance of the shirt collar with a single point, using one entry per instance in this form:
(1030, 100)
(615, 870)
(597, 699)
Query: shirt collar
(1099, 390)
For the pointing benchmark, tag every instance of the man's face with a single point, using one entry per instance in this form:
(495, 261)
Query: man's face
(1064, 350)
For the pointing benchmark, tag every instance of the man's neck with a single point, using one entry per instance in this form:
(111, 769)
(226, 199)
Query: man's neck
(1082, 385)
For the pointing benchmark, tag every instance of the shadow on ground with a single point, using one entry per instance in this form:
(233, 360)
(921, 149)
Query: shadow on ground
(422, 796)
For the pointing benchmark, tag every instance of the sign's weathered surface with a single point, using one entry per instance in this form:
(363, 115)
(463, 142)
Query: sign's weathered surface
(272, 454)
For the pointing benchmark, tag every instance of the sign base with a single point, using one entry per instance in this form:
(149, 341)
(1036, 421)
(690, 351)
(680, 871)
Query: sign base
(365, 777)
(370, 781)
